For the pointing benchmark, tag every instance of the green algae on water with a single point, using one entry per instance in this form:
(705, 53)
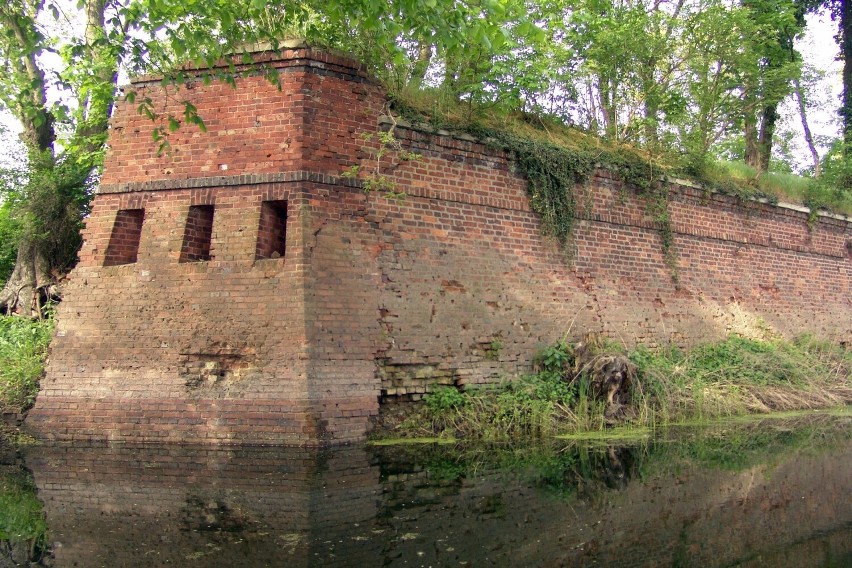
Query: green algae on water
(614, 434)
(410, 441)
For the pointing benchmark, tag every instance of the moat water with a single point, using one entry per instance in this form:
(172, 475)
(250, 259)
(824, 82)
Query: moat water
(774, 492)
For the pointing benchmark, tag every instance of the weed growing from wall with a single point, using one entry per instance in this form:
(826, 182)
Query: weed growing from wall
(375, 174)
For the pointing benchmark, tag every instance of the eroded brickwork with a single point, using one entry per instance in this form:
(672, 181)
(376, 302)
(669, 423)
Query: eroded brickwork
(293, 333)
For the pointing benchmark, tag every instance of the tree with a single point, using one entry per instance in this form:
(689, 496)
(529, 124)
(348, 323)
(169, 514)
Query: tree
(778, 64)
(64, 141)
(53, 196)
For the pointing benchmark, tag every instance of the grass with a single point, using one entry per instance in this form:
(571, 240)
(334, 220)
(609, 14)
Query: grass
(740, 376)
(23, 349)
(778, 186)
(21, 513)
(434, 108)
(734, 377)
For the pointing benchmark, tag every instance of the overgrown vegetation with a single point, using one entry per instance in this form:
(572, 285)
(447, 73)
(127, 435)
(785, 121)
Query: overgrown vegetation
(557, 160)
(23, 528)
(727, 378)
(23, 348)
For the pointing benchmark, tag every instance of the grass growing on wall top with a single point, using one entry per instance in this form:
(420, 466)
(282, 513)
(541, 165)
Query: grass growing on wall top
(733, 377)
(779, 186)
(582, 151)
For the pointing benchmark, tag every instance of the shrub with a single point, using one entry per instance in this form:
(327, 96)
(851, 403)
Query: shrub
(23, 349)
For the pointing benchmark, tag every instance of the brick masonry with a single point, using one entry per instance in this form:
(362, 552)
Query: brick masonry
(374, 298)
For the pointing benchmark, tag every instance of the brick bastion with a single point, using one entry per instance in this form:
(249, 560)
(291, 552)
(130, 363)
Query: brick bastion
(238, 289)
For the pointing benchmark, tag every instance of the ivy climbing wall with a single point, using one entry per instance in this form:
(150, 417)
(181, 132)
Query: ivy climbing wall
(269, 299)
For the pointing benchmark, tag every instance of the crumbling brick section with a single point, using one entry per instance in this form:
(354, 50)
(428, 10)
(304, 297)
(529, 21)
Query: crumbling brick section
(124, 241)
(379, 298)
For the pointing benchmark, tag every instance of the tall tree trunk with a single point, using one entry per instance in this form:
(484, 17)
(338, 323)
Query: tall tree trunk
(421, 65)
(30, 280)
(758, 136)
(846, 53)
(752, 153)
(594, 125)
(768, 120)
(652, 103)
(797, 88)
(607, 108)
(21, 292)
(33, 278)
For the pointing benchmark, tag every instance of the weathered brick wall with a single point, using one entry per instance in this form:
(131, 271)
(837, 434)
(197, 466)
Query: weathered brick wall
(470, 289)
(373, 296)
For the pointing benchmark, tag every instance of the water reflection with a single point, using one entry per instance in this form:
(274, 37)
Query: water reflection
(772, 493)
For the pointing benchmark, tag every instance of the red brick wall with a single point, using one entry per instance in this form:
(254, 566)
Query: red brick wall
(197, 234)
(272, 230)
(124, 239)
(380, 297)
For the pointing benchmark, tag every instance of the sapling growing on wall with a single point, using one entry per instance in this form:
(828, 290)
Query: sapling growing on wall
(376, 172)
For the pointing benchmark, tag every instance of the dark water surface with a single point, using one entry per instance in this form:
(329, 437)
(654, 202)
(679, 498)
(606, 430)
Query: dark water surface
(770, 493)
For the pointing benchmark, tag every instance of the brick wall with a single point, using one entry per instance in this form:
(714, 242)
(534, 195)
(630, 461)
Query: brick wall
(375, 297)
(124, 240)
(197, 234)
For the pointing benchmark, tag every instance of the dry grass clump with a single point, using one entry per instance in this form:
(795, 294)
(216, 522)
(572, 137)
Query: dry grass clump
(740, 375)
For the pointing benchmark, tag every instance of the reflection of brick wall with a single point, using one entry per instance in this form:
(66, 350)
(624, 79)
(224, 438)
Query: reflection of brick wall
(377, 297)
(155, 506)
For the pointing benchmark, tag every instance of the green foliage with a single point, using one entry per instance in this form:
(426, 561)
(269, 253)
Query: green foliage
(51, 206)
(21, 513)
(833, 189)
(823, 194)
(10, 234)
(740, 375)
(443, 399)
(731, 377)
(588, 468)
(385, 156)
(492, 352)
(551, 172)
(527, 406)
(23, 348)
(552, 360)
